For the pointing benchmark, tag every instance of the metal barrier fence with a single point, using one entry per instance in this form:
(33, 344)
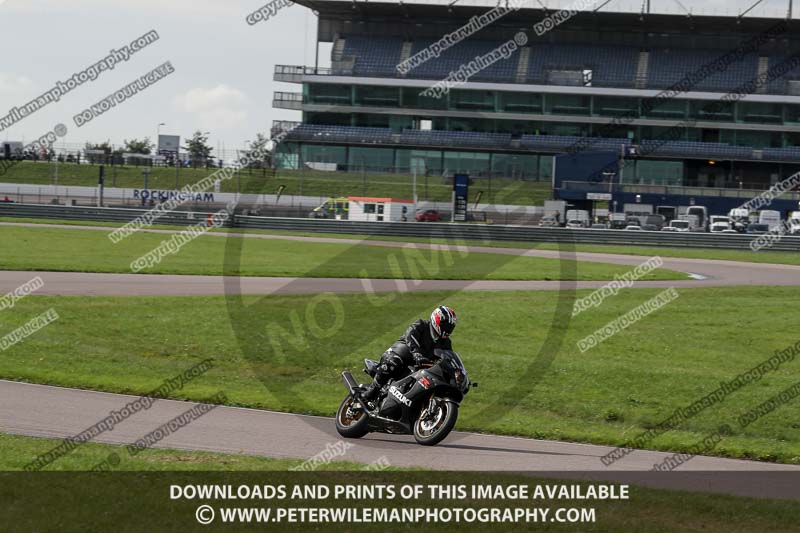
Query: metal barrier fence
(410, 229)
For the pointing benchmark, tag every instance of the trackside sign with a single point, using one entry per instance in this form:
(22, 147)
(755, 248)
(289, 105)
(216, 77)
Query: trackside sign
(163, 196)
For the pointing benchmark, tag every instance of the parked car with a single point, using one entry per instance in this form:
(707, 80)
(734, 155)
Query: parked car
(681, 225)
(429, 215)
(655, 220)
(670, 229)
(649, 227)
(729, 231)
(599, 226)
(549, 222)
(575, 224)
(633, 228)
(580, 215)
(719, 227)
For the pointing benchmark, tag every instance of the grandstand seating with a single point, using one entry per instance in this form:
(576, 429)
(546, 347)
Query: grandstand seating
(669, 66)
(456, 138)
(611, 66)
(619, 72)
(790, 153)
(778, 85)
(451, 59)
(374, 56)
(319, 133)
(562, 142)
(698, 149)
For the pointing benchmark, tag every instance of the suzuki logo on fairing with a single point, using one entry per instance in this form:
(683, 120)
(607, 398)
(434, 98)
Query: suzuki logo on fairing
(399, 395)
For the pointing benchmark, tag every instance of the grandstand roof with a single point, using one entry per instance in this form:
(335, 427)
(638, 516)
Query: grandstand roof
(421, 18)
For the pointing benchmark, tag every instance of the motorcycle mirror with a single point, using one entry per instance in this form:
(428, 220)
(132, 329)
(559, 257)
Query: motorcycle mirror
(474, 383)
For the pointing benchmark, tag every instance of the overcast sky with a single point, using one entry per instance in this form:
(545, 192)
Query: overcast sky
(223, 67)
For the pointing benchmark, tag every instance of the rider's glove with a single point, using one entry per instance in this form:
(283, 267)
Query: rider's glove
(420, 359)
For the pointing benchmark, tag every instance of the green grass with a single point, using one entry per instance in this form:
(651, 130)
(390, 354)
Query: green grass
(66, 249)
(782, 258)
(19, 451)
(607, 395)
(104, 501)
(305, 183)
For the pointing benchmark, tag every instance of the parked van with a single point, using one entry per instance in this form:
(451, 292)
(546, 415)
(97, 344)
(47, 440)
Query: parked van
(770, 218)
(701, 213)
(332, 208)
(794, 223)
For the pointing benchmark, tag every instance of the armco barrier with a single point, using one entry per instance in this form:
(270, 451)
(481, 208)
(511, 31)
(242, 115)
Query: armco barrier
(99, 214)
(412, 229)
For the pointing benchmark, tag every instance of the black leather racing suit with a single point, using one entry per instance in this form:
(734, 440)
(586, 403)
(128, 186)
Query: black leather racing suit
(414, 348)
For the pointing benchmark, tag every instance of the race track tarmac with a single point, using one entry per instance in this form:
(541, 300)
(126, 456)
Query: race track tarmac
(55, 412)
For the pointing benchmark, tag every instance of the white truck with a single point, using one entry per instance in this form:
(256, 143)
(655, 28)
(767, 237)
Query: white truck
(701, 212)
(794, 223)
(770, 218)
(692, 221)
(554, 210)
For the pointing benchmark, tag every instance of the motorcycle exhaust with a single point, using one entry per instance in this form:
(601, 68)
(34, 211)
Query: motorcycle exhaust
(350, 382)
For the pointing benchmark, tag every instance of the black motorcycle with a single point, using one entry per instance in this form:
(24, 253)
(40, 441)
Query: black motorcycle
(424, 403)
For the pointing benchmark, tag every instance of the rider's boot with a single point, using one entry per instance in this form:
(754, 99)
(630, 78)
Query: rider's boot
(372, 391)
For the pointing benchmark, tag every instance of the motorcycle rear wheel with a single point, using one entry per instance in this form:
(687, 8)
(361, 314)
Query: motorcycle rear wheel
(351, 426)
(431, 429)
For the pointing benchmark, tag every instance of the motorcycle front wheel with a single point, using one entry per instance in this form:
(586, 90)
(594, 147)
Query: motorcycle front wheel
(435, 422)
(351, 423)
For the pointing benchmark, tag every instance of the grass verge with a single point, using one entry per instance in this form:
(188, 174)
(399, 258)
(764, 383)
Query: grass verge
(304, 183)
(277, 359)
(20, 450)
(76, 250)
(780, 258)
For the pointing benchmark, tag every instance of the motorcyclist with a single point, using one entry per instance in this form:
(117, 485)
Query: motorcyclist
(415, 348)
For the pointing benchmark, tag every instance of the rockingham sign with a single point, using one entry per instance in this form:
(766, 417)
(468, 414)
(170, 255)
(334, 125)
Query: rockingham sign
(163, 196)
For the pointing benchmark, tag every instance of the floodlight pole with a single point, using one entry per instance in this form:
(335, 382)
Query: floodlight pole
(415, 189)
(749, 9)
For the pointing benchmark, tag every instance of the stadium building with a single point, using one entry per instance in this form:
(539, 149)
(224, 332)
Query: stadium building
(651, 108)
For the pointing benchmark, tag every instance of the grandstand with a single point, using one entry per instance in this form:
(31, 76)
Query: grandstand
(565, 89)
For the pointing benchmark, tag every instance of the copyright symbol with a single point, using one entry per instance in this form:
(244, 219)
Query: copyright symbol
(204, 514)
